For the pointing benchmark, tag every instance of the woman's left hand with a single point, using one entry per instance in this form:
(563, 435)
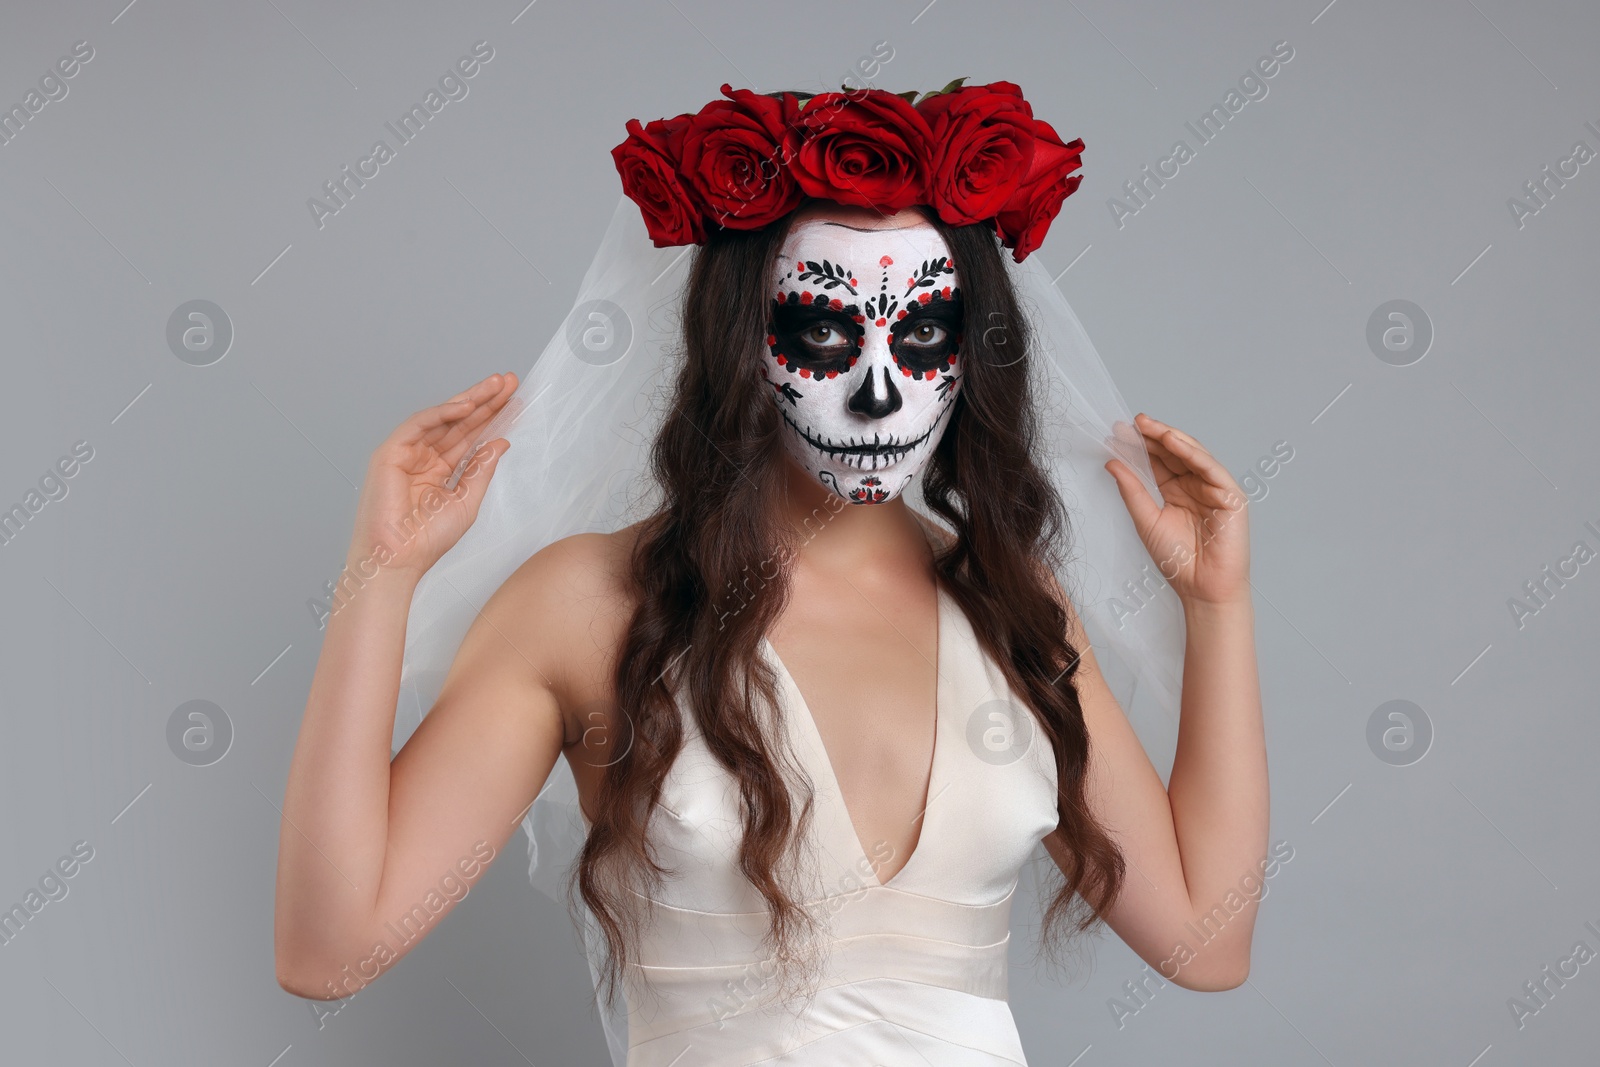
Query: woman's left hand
(1200, 540)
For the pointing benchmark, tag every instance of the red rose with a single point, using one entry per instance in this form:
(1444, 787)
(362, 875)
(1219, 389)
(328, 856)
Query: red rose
(733, 158)
(984, 144)
(1023, 220)
(648, 164)
(868, 148)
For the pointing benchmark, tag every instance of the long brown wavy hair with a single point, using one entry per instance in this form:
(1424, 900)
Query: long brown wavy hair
(718, 461)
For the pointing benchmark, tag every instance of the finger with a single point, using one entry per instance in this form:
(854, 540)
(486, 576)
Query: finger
(480, 469)
(1162, 427)
(448, 434)
(457, 407)
(1142, 507)
(1199, 458)
(1174, 453)
(1203, 487)
(451, 439)
(1162, 460)
(1224, 497)
(489, 392)
(477, 395)
(420, 422)
(1127, 442)
(1203, 463)
(480, 390)
(1185, 483)
(1189, 453)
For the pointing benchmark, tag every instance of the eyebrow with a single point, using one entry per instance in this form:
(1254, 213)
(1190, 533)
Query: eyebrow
(952, 308)
(787, 310)
(864, 229)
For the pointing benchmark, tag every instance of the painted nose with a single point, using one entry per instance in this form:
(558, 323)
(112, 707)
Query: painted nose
(866, 401)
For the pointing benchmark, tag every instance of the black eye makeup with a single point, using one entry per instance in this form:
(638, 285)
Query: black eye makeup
(819, 339)
(927, 339)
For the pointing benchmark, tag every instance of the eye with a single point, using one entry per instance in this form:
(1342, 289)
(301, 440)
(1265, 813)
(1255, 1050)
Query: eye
(815, 339)
(928, 339)
(823, 335)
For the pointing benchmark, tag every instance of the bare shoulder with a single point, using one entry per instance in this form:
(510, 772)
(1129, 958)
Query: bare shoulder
(574, 569)
(565, 610)
(1077, 636)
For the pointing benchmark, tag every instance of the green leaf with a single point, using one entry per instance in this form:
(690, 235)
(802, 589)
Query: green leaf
(953, 86)
(909, 96)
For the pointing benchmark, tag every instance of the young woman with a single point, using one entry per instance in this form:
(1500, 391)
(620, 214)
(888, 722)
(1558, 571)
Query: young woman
(814, 733)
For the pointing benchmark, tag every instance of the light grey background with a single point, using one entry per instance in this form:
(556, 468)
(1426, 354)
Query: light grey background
(1234, 304)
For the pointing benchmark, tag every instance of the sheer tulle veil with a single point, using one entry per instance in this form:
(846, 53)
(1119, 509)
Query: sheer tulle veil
(580, 427)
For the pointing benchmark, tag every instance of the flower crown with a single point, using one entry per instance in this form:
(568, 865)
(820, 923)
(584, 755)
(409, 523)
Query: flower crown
(971, 153)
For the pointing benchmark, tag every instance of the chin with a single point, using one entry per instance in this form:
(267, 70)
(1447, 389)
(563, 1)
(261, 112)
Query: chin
(872, 468)
(866, 485)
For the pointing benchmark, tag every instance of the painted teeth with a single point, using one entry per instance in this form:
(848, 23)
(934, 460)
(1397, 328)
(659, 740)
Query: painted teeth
(868, 461)
(884, 452)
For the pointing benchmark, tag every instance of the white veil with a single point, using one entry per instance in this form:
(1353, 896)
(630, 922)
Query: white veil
(580, 427)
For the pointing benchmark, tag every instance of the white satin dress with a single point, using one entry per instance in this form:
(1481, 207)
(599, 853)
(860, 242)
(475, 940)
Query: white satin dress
(915, 969)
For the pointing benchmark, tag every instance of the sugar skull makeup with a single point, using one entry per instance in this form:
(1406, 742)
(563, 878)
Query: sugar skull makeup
(864, 352)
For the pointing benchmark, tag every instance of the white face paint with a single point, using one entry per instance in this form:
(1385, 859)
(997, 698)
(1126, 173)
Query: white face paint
(863, 352)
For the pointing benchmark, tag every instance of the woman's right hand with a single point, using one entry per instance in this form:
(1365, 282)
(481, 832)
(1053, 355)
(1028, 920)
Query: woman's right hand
(406, 518)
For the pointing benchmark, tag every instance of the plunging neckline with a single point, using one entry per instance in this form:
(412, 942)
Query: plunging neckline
(832, 776)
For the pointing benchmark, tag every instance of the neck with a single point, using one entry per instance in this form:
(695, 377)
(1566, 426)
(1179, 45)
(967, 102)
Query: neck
(835, 534)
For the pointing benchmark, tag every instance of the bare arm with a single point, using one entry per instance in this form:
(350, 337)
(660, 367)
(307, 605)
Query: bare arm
(1196, 849)
(373, 855)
